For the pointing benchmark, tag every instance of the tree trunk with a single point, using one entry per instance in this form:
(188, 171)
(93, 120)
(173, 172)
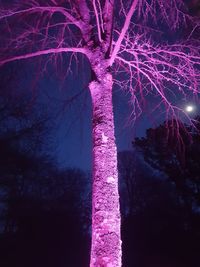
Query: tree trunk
(106, 242)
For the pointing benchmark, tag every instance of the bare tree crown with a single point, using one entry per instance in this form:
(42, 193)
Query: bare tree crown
(128, 36)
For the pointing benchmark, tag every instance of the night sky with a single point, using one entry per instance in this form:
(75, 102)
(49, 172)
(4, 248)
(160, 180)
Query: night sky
(67, 104)
(71, 132)
(56, 89)
(71, 121)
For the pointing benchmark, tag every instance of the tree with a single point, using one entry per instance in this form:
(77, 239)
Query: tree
(153, 225)
(21, 136)
(121, 42)
(138, 183)
(43, 206)
(179, 161)
(39, 204)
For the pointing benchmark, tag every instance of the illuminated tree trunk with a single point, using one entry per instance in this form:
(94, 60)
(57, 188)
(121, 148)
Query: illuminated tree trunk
(117, 40)
(106, 242)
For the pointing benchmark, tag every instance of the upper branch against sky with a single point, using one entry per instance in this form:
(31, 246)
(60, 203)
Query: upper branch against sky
(131, 34)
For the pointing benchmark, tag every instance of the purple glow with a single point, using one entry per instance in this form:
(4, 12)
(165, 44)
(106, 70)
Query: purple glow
(106, 242)
(50, 28)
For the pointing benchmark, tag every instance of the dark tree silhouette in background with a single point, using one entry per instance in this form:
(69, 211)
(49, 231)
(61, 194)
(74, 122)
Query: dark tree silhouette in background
(40, 205)
(22, 130)
(124, 44)
(176, 158)
(43, 206)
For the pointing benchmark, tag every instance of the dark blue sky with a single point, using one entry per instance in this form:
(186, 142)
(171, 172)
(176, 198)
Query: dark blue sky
(71, 135)
(70, 138)
(70, 118)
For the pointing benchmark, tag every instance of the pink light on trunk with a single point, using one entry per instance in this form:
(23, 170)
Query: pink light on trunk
(142, 66)
(106, 242)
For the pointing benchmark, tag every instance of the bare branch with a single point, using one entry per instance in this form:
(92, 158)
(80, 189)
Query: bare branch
(97, 20)
(123, 31)
(42, 9)
(108, 18)
(83, 10)
(85, 17)
(101, 16)
(44, 52)
(160, 69)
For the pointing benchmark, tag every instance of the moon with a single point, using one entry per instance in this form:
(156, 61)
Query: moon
(189, 108)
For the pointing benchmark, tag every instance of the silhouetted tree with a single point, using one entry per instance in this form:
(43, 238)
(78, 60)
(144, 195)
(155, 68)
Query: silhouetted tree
(176, 153)
(46, 217)
(155, 228)
(40, 205)
(22, 132)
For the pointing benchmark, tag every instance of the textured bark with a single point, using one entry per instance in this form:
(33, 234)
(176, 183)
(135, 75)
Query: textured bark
(106, 242)
(32, 29)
